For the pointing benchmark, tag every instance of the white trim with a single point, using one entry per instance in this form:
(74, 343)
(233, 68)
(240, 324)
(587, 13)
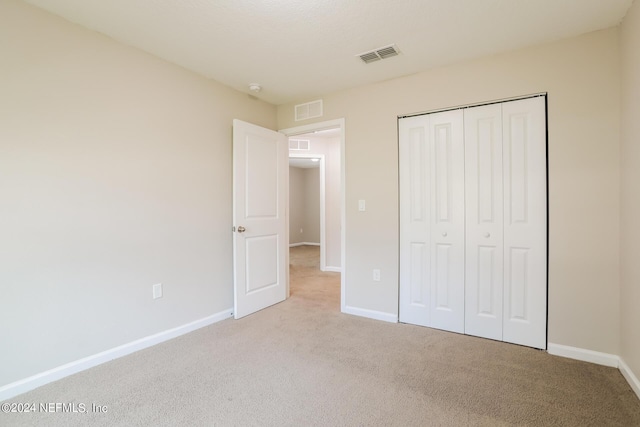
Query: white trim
(477, 104)
(628, 374)
(299, 130)
(371, 314)
(598, 358)
(286, 230)
(343, 218)
(323, 217)
(22, 386)
(333, 269)
(591, 356)
(343, 182)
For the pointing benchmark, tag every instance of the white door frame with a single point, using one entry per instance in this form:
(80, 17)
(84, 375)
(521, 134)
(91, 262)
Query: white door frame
(337, 123)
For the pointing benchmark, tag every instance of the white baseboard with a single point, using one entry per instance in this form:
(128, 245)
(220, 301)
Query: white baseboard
(371, 314)
(628, 374)
(591, 356)
(598, 358)
(291, 245)
(333, 269)
(22, 386)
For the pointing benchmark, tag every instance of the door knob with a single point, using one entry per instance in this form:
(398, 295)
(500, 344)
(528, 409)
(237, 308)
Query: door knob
(487, 234)
(241, 229)
(444, 234)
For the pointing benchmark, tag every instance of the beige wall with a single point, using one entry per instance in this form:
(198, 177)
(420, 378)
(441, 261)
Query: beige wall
(333, 193)
(312, 205)
(304, 205)
(581, 76)
(115, 174)
(630, 194)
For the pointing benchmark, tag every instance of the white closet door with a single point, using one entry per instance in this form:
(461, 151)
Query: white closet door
(415, 218)
(484, 221)
(432, 220)
(473, 221)
(525, 222)
(447, 220)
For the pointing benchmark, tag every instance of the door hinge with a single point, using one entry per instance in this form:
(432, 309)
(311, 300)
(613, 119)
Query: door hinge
(234, 229)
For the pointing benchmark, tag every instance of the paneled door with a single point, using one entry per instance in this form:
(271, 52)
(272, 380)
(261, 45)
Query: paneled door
(432, 221)
(260, 197)
(484, 221)
(473, 221)
(447, 221)
(415, 220)
(524, 156)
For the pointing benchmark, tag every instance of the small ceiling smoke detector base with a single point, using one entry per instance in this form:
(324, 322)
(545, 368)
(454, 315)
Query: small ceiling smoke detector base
(255, 87)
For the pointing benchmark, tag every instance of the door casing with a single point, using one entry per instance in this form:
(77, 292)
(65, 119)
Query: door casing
(337, 123)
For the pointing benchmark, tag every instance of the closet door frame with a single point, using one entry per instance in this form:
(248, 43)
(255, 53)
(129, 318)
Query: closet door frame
(524, 315)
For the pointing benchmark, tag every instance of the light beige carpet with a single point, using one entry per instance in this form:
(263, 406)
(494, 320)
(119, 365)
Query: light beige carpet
(303, 363)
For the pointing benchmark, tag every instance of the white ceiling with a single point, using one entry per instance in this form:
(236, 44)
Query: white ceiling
(299, 50)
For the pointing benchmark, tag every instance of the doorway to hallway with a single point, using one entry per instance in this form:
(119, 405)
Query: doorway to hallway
(323, 142)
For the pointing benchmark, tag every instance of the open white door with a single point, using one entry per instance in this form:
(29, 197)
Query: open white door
(260, 241)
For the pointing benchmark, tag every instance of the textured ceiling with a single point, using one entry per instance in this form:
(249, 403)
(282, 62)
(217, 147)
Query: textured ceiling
(300, 49)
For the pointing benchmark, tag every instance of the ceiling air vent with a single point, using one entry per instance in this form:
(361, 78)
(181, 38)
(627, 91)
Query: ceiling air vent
(378, 54)
(308, 110)
(299, 144)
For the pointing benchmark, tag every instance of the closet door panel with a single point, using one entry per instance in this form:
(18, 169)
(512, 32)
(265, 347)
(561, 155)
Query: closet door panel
(525, 229)
(447, 220)
(484, 221)
(473, 221)
(415, 219)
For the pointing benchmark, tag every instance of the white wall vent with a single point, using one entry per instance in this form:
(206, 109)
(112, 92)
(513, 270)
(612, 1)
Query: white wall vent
(379, 53)
(299, 144)
(308, 110)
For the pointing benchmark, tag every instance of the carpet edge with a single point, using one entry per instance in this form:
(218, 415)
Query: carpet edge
(631, 378)
(27, 384)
